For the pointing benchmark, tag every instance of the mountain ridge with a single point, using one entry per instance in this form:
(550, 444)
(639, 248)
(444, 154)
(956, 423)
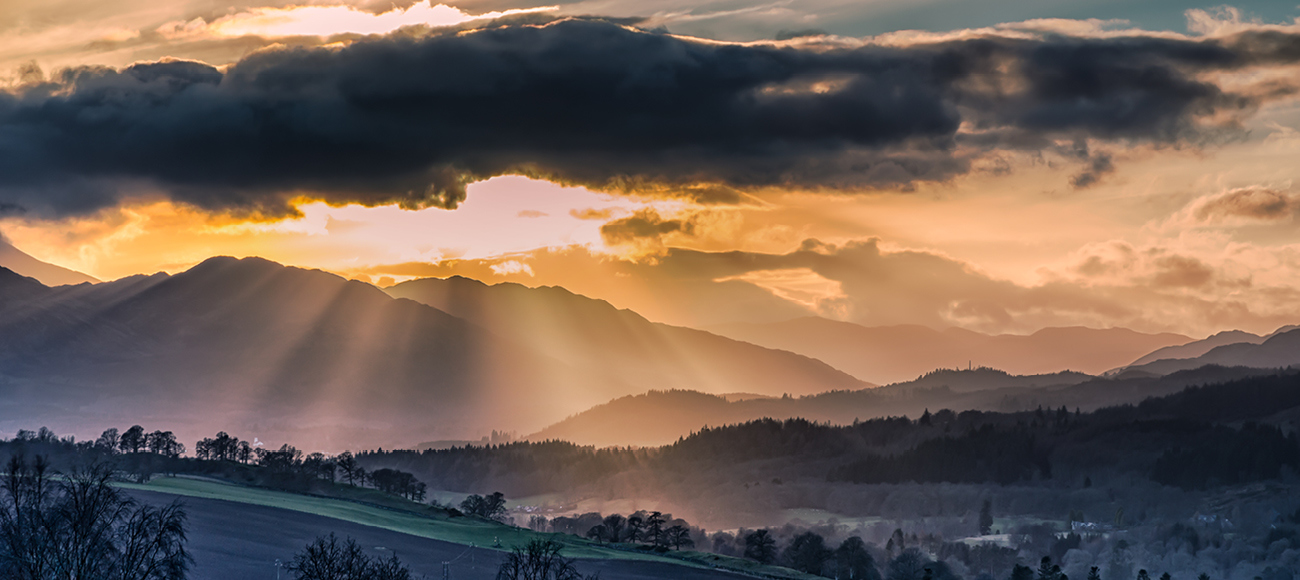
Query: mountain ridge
(594, 334)
(49, 274)
(889, 354)
(660, 417)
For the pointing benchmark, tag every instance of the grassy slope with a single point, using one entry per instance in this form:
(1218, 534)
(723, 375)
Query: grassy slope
(460, 530)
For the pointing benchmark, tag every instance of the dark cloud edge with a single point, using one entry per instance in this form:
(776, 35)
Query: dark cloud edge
(413, 118)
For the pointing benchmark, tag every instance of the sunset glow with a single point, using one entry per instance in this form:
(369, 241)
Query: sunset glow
(641, 289)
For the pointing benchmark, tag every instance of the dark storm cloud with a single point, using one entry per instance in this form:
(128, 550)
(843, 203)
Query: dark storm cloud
(644, 224)
(412, 119)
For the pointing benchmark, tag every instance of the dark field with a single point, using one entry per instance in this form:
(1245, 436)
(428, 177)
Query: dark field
(234, 541)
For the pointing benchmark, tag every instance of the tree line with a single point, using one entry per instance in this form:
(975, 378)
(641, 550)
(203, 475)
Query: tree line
(1193, 439)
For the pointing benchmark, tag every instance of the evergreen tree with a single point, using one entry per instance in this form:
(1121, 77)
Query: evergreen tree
(986, 518)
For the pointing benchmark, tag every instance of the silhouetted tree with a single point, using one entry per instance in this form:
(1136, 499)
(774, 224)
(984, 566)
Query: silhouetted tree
(896, 543)
(223, 447)
(108, 440)
(82, 527)
(678, 536)
(406, 485)
(164, 443)
(910, 564)
(634, 525)
(986, 518)
(286, 459)
(598, 532)
(245, 453)
(760, 546)
(1022, 572)
(133, 440)
(807, 552)
(854, 562)
(328, 559)
(1142, 575)
(317, 465)
(654, 528)
(347, 465)
(1049, 571)
(1095, 574)
(614, 527)
(539, 560)
(491, 506)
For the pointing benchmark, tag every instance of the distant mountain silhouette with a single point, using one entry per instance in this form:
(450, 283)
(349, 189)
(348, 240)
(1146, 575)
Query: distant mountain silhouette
(983, 379)
(16, 289)
(661, 417)
(277, 352)
(1197, 348)
(622, 345)
(271, 351)
(888, 354)
(1281, 349)
(18, 261)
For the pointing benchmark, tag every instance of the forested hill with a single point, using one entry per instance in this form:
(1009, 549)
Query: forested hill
(660, 417)
(1229, 427)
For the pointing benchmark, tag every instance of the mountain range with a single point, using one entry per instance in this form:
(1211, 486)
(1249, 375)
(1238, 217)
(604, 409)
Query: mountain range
(890, 354)
(285, 353)
(661, 417)
(1278, 350)
(621, 345)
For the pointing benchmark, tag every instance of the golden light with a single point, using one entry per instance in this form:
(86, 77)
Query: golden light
(331, 20)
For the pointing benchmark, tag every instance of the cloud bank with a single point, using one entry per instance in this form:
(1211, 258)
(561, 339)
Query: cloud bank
(412, 119)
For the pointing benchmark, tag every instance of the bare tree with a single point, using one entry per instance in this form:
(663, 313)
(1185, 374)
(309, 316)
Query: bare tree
(82, 527)
(539, 560)
(328, 559)
(108, 440)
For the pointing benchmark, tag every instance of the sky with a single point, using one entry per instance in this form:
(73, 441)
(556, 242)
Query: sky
(996, 165)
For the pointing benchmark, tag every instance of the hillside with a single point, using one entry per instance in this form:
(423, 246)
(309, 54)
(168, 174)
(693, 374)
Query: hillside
(1279, 350)
(621, 345)
(661, 417)
(49, 274)
(889, 354)
(277, 352)
(1199, 347)
(284, 353)
(1197, 439)
(240, 532)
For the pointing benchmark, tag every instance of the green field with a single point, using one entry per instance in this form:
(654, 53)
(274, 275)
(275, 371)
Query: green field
(460, 530)
(438, 526)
